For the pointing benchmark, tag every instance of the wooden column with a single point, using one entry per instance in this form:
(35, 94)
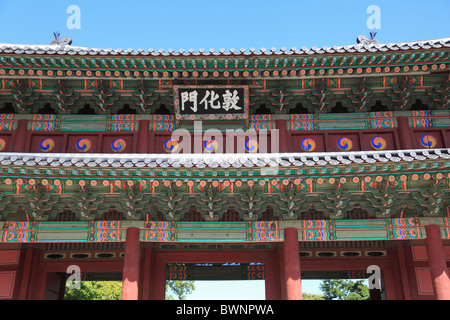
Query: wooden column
(404, 134)
(391, 287)
(27, 268)
(20, 136)
(158, 280)
(271, 276)
(131, 265)
(437, 263)
(143, 135)
(399, 288)
(282, 281)
(146, 274)
(292, 275)
(283, 135)
(38, 280)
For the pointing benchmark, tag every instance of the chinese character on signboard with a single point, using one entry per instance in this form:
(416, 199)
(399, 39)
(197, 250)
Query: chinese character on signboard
(211, 102)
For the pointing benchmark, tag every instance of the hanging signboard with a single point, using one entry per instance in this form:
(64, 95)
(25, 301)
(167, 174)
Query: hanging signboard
(211, 102)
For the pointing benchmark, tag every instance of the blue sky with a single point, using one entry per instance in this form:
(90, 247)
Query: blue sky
(220, 24)
(176, 24)
(240, 290)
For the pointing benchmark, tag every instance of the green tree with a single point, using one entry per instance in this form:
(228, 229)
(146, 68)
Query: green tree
(112, 290)
(311, 296)
(95, 290)
(344, 290)
(180, 288)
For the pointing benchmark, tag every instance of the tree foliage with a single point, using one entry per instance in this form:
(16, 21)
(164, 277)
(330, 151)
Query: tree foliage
(344, 290)
(180, 288)
(311, 296)
(95, 290)
(112, 290)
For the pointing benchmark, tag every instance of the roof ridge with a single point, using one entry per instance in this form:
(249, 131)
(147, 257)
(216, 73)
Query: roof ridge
(424, 44)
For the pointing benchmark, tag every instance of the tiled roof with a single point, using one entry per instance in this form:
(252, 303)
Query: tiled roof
(356, 48)
(223, 161)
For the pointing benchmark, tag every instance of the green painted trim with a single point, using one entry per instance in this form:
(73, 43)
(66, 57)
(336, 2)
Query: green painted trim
(257, 177)
(65, 241)
(218, 228)
(65, 229)
(357, 239)
(242, 236)
(230, 68)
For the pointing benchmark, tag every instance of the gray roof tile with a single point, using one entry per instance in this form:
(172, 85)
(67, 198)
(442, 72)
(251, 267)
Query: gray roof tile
(217, 160)
(373, 47)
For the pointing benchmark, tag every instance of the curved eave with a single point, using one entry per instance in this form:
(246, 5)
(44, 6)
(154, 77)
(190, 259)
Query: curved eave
(219, 161)
(358, 48)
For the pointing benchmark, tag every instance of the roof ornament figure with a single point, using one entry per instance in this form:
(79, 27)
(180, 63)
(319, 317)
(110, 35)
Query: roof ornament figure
(63, 42)
(363, 40)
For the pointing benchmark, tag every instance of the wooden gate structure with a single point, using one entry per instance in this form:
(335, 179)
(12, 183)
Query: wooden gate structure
(146, 166)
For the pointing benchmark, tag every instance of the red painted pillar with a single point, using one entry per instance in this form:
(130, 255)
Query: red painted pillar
(282, 281)
(131, 265)
(143, 133)
(271, 276)
(437, 263)
(38, 280)
(283, 136)
(20, 136)
(146, 274)
(404, 134)
(398, 287)
(158, 283)
(27, 265)
(291, 256)
(391, 287)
